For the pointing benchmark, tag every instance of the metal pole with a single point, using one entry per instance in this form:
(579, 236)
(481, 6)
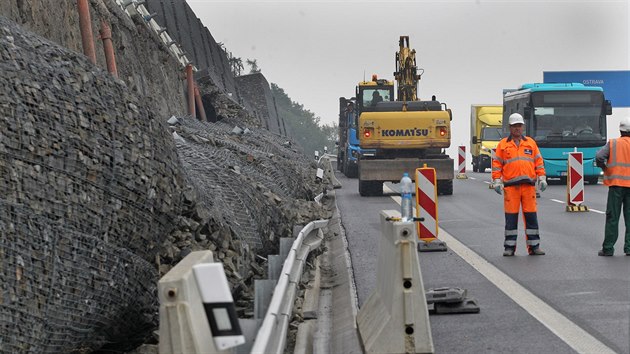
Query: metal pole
(202, 110)
(85, 23)
(108, 48)
(191, 90)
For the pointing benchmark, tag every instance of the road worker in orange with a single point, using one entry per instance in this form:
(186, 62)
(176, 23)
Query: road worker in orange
(516, 167)
(614, 159)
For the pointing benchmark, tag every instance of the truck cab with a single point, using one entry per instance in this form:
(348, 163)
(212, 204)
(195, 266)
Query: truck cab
(485, 133)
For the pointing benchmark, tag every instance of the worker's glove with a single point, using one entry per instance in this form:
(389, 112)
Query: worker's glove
(542, 182)
(601, 164)
(498, 185)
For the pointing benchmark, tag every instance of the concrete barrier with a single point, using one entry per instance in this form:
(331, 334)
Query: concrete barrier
(395, 318)
(325, 162)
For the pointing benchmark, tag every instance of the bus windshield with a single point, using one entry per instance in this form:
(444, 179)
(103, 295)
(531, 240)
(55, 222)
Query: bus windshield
(568, 117)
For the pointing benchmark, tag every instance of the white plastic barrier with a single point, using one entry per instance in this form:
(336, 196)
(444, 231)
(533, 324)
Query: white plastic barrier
(395, 318)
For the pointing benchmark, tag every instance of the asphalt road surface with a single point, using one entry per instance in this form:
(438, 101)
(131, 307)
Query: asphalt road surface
(568, 301)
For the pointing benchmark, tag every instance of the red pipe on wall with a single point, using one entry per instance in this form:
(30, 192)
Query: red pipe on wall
(191, 90)
(85, 23)
(108, 48)
(202, 111)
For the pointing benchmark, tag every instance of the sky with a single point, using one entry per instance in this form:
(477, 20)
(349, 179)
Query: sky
(318, 51)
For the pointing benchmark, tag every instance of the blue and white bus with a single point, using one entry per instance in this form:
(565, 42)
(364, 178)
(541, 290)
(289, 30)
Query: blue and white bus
(562, 117)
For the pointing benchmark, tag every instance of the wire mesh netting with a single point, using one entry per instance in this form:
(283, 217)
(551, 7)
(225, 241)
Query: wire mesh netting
(96, 199)
(228, 167)
(89, 188)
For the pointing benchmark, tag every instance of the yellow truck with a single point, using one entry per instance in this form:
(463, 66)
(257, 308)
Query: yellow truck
(405, 133)
(485, 132)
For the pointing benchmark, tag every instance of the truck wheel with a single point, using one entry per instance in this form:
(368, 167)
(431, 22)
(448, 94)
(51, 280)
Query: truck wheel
(353, 171)
(445, 187)
(475, 164)
(370, 188)
(592, 180)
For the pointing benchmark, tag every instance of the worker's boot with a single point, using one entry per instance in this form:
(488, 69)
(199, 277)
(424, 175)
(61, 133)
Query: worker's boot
(509, 252)
(536, 252)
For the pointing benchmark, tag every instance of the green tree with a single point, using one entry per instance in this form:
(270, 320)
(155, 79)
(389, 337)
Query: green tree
(304, 125)
(253, 65)
(236, 65)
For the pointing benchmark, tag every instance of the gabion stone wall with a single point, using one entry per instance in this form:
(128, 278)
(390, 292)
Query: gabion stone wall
(255, 89)
(89, 189)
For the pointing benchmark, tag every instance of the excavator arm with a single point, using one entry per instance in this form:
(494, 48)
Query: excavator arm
(406, 73)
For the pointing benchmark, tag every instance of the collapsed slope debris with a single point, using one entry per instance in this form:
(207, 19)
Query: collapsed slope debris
(97, 199)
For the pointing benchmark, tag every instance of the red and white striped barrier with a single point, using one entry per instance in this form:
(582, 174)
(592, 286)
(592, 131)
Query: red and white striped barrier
(575, 182)
(461, 152)
(427, 209)
(493, 155)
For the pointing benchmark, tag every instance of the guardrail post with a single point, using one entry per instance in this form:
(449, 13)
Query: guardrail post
(395, 318)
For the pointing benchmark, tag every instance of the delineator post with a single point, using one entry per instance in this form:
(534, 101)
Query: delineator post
(461, 152)
(427, 210)
(575, 182)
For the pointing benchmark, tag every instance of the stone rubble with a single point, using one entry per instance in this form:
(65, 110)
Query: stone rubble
(98, 200)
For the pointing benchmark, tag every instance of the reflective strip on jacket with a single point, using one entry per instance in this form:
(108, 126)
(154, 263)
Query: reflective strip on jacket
(617, 172)
(517, 164)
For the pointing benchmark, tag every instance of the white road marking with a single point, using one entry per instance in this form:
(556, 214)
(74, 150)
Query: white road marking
(593, 210)
(573, 335)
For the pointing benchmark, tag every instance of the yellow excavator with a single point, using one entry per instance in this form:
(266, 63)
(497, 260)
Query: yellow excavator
(405, 133)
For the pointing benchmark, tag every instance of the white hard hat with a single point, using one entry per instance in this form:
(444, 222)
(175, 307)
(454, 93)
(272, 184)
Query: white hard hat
(624, 125)
(516, 118)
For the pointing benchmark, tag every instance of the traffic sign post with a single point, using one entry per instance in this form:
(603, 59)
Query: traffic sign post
(427, 210)
(575, 182)
(462, 162)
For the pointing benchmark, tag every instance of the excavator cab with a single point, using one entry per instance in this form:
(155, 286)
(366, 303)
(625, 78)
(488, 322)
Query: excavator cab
(369, 93)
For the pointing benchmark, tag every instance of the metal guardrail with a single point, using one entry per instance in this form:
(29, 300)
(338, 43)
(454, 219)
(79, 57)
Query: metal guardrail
(271, 337)
(136, 8)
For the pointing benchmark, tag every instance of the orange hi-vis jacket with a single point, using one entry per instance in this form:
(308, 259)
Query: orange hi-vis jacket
(517, 164)
(617, 171)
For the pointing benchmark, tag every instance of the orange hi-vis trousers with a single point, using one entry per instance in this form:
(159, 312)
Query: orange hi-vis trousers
(515, 197)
